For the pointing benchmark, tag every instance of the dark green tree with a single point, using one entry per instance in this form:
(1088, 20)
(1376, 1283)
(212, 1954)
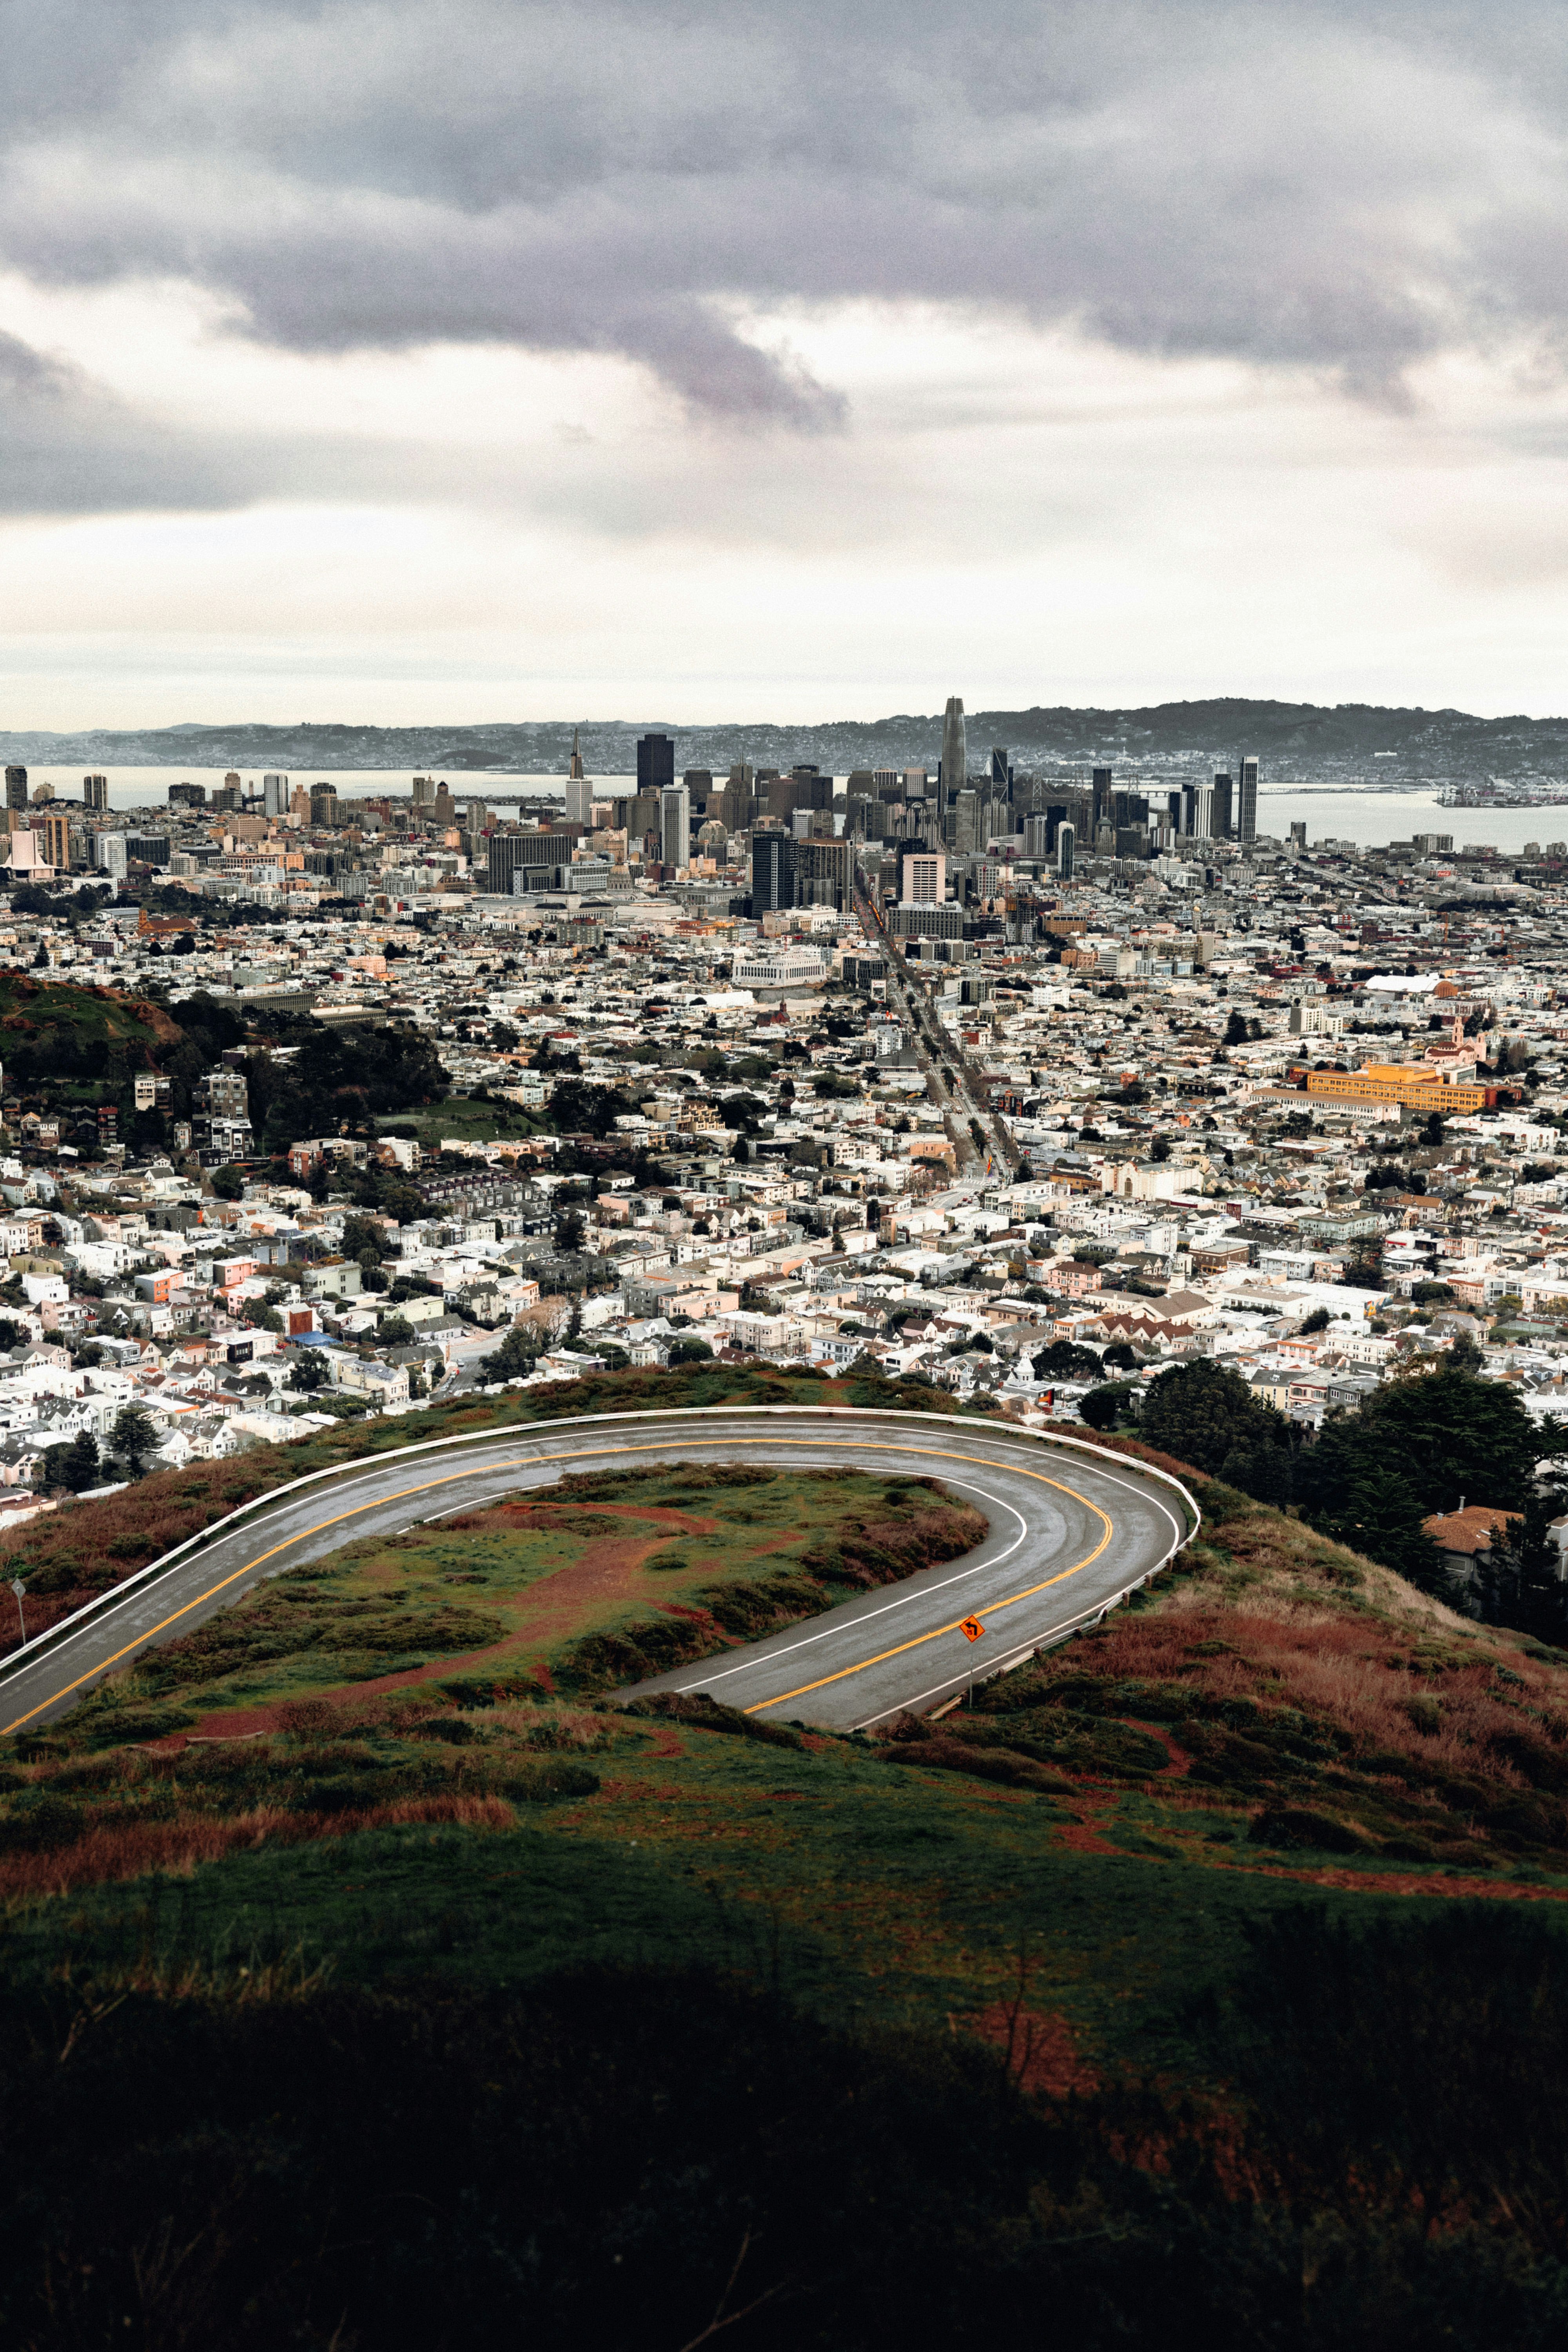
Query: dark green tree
(695, 1351)
(229, 1183)
(517, 1356)
(73, 1465)
(1204, 1413)
(1447, 1433)
(1110, 1407)
(133, 1438)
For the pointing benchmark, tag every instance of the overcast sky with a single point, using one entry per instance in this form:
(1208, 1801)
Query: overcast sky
(404, 359)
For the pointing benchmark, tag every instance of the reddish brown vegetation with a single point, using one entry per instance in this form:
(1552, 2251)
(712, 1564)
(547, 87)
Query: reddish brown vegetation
(1367, 1676)
(130, 1850)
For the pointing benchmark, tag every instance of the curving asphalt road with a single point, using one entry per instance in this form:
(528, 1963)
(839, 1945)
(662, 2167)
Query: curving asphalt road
(1070, 1531)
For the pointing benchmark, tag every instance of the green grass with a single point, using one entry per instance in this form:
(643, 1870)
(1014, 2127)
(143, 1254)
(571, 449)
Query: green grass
(1102, 1834)
(577, 1585)
(468, 1121)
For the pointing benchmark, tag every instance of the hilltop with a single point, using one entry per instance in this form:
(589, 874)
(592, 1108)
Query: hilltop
(1299, 738)
(1220, 1945)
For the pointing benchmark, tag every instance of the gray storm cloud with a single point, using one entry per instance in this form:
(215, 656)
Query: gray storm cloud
(1302, 186)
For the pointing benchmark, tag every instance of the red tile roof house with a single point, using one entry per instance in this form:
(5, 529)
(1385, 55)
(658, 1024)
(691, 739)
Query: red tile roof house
(1465, 1535)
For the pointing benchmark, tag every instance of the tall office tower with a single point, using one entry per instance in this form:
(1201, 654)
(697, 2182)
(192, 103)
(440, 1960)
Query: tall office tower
(477, 816)
(15, 788)
(188, 796)
(1174, 811)
(1066, 842)
(423, 791)
(743, 777)
(574, 770)
(95, 792)
(1246, 810)
(323, 803)
(773, 873)
(824, 872)
(1298, 835)
(675, 819)
(954, 750)
(917, 783)
(275, 796)
(966, 842)
(579, 801)
(1222, 807)
(1099, 801)
(925, 878)
(655, 763)
(55, 843)
(109, 853)
(1001, 774)
(1037, 836)
(887, 783)
(1201, 822)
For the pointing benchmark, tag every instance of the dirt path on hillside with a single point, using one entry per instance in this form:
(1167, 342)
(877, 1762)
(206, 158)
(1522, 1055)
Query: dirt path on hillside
(608, 1570)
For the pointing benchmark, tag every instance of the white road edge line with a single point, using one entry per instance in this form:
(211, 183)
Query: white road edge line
(804, 1643)
(752, 1665)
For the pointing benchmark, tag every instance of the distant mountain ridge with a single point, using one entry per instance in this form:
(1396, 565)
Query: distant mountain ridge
(1294, 739)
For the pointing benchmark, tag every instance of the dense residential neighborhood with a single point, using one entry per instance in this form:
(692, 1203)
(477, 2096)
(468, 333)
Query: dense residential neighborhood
(319, 1107)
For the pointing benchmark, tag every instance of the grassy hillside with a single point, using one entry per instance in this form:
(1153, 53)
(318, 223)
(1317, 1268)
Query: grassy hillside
(86, 1547)
(41, 1014)
(1205, 1979)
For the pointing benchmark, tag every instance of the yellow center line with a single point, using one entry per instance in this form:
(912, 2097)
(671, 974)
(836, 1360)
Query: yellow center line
(583, 1454)
(989, 1607)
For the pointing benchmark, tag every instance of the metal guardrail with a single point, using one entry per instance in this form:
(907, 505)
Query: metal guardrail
(29, 1653)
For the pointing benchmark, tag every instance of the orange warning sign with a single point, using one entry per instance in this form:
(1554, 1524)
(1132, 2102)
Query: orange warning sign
(971, 1628)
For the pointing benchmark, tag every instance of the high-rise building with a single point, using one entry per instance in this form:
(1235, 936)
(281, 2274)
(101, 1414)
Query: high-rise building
(954, 748)
(655, 763)
(1037, 836)
(824, 872)
(1099, 803)
(773, 873)
(15, 788)
(187, 796)
(965, 807)
(1299, 834)
(579, 800)
(508, 853)
(423, 791)
(1221, 807)
(109, 852)
(924, 878)
(574, 771)
(675, 820)
(1247, 807)
(323, 803)
(275, 796)
(1067, 843)
(95, 792)
(1001, 774)
(54, 826)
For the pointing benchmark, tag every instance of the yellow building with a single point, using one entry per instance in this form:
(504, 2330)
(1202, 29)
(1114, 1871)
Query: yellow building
(1412, 1084)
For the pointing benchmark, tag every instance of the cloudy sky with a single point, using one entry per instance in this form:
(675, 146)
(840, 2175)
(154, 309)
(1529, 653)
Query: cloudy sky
(404, 359)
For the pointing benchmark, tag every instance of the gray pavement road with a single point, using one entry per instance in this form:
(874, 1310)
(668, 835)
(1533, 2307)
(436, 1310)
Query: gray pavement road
(1068, 1533)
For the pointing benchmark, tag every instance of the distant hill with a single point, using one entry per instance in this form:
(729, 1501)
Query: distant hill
(1294, 741)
